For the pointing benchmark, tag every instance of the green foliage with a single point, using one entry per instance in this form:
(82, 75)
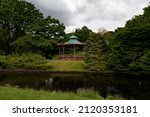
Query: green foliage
(48, 28)
(23, 29)
(37, 45)
(42, 37)
(89, 93)
(24, 61)
(82, 33)
(3, 62)
(130, 46)
(10, 93)
(114, 97)
(96, 52)
(15, 16)
(107, 36)
(145, 62)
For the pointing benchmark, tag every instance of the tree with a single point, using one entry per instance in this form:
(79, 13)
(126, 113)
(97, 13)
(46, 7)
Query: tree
(102, 30)
(82, 33)
(36, 44)
(15, 16)
(130, 46)
(23, 29)
(47, 28)
(41, 37)
(105, 34)
(96, 52)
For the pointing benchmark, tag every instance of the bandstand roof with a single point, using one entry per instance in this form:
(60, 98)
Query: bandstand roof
(72, 41)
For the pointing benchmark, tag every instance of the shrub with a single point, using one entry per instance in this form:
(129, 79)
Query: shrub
(3, 62)
(27, 61)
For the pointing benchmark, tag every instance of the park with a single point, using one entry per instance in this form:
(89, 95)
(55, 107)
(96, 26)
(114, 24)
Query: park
(39, 60)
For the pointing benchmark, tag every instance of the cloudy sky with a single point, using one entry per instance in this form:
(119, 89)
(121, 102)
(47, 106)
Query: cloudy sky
(94, 14)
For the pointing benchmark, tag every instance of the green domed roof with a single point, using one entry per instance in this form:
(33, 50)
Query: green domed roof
(73, 37)
(73, 41)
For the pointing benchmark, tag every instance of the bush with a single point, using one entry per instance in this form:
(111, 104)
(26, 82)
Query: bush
(3, 62)
(26, 61)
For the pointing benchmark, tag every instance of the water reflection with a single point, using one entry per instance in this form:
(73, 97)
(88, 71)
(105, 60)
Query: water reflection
(130, 87)
(49, 83)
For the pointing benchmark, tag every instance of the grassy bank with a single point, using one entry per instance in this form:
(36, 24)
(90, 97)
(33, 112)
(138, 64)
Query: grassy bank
(9, 93)
(58, 65)
(37, 62)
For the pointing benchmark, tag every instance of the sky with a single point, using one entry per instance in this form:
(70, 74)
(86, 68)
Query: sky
(94, 14)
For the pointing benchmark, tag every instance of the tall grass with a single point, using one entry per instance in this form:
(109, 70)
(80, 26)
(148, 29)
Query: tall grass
(10, 93)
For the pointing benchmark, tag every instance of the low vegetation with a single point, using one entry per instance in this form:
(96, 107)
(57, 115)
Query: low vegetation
(25, 61)
(38, 62)
(9, 93)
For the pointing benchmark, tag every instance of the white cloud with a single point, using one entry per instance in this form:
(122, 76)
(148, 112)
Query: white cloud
(92, 13)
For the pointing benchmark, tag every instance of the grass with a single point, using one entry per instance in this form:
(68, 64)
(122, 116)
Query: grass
(58, 65)
(34, 61)
(11, 93)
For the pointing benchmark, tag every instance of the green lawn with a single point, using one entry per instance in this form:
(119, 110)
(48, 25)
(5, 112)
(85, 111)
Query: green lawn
(10, 93)
(58, 65)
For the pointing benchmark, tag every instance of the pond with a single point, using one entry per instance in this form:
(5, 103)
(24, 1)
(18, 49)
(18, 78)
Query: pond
(127, 86)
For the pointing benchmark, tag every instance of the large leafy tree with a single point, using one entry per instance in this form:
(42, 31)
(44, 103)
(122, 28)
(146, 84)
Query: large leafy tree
(130, 46)
(41, 37)
(15, 16)
(82, 33)
(23, 29)
(35, 44)
(47, 28)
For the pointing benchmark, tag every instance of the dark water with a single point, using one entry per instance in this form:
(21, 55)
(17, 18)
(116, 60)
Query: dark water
(127, 86)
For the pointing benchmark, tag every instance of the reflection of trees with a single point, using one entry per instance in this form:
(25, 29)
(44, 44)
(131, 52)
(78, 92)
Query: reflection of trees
(129, 87)
(24, 80)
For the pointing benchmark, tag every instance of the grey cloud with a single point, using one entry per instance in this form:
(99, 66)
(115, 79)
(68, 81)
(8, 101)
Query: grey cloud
(93, 13)
(60, 11)
(61, 15)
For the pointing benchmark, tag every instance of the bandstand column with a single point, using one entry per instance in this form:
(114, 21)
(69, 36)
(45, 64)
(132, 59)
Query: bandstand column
(74, 50)
(63, 50)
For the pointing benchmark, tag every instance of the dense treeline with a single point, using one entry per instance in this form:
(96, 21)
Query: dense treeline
(23, 29)
(128, 48)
